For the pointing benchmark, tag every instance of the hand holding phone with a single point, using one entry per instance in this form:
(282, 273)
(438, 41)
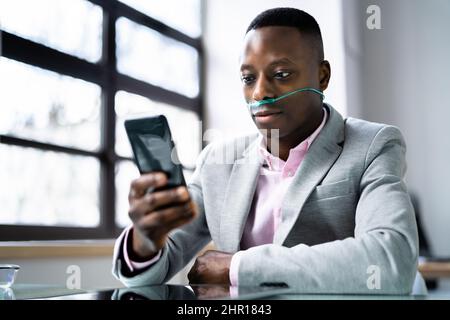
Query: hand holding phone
(157, 213)
(159, 200)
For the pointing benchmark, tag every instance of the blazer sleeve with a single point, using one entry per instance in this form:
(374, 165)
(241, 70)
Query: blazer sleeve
(181, 246)
(385, 242)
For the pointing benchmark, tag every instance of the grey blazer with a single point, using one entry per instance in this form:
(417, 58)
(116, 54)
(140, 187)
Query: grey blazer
(348, 225)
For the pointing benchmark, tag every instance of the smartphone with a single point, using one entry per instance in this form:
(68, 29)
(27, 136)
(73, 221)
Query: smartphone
(154, 149)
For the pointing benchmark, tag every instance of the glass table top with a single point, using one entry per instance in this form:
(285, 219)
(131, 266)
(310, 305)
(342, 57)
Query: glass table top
(186, 292)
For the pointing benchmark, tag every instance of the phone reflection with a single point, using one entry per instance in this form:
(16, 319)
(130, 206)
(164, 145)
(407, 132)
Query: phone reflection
(178, 292)
(172, 292)
(163, 292)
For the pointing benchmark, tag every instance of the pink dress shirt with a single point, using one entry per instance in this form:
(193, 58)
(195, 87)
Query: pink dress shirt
(265, 213)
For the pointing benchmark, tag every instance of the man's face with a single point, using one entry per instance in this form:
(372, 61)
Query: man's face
(277, 60)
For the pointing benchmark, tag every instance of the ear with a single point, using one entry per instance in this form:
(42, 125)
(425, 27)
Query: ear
(324, 74)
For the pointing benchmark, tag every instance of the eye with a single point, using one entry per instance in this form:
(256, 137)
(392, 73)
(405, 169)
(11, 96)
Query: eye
(247, 79)
(282, 75)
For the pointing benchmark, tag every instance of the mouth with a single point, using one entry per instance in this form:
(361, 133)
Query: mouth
(266, 113)
(266, 116)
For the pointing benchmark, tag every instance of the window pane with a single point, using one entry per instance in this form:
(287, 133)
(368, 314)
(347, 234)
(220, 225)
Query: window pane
(182, 15)
(47, 188)
(149, 56)
(184, 125)
(71, 26)
(126, 171)
(45, 106)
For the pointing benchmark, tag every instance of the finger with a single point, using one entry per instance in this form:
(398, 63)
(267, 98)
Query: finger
(159, 199)
(193, 273)
(140, 185)
(152, 201)
(165, 219)
(191, 212)
(180, 222)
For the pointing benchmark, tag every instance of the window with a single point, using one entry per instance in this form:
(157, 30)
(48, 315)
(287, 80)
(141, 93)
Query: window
(48, 107)
(56, 24)
(70, 74)
(40, 187)
(162, 61)
(183, 15)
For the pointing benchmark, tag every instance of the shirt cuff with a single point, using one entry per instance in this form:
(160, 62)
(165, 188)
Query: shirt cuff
(133, 265)
(234, 268)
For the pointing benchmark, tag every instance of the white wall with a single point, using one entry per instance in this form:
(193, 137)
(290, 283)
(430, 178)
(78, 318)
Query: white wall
(225, 23)
(400, 75)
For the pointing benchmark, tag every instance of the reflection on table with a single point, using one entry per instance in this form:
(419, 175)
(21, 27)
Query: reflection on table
(184, 292)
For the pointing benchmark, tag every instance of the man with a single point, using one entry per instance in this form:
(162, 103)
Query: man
(317, 203)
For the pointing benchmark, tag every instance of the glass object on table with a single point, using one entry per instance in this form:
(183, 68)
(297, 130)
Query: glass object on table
(8, 274)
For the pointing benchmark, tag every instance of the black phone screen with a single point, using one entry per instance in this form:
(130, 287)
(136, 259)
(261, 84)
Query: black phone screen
(153, 148)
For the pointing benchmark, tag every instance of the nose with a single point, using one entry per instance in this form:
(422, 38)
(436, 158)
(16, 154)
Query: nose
(262, 90)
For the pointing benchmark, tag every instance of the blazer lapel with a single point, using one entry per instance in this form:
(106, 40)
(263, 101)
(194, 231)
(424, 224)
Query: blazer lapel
(318, 160)
(238, 198)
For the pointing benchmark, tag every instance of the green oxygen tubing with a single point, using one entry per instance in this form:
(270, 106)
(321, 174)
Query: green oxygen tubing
(256, 104)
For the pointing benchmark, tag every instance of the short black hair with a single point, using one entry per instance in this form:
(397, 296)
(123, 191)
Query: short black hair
(290, 17)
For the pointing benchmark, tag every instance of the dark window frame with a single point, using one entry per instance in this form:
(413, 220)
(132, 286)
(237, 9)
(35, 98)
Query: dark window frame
(105, 74)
